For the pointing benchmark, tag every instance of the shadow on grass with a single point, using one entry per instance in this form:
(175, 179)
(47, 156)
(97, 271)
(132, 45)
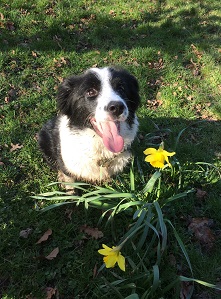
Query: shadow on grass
(178, 30)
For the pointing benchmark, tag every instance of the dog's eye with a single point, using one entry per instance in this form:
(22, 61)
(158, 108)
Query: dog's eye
(91, 93)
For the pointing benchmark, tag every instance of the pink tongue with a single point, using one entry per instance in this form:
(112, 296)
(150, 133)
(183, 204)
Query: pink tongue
(111, 138)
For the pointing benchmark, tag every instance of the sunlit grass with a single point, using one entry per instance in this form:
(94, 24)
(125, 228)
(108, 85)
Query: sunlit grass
(173, 48)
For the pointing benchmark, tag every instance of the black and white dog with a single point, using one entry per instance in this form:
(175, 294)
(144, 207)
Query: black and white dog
(90, 138)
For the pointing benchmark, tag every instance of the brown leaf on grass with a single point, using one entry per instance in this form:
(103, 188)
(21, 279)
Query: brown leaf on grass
(36, 137)
(53, 254)
(112, 13)
(154, 104)
(200, 227)
(11, 95)
(93, 232)
(12, 92)
(200, 194)
(7, 100)
(193, 67)
(34, 54)
(186, 289)
(10, 26)
(14, 147)
(198, 53)
(95, 271)
(157, 65)
(1, 163)
(50, 292)
(45, 236)
(25, 233)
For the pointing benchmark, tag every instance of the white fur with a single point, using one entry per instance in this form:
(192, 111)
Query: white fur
(107, 95)
(83, 152)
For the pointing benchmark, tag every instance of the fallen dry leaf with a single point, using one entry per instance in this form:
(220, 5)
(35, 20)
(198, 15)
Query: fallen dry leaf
(25, 233)
(154, 103)
(45, 236)
(50, 292)
(200, 227)
(14, 147)
(10, 26)
(186, 290)
(34, 54)
(200, 194)
(53, 254)
(196, 51)
(95, 271)
(93, 232)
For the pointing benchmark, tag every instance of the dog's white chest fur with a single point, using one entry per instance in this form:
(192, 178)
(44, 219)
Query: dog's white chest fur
(86, 157)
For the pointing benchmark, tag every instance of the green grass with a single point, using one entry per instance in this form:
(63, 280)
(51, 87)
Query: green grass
(173, 48)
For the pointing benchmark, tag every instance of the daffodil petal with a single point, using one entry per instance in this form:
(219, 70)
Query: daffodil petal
(110, 260)
(167, 154)
(106, 251)
(106, 247)
(150, 151)
(168, 162)
(121, 262)
(150, 158)
(157, 164)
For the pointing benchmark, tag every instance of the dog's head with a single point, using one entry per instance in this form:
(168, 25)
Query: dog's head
(101, 99)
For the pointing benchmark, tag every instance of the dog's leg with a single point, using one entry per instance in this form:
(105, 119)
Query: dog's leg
(66, 179)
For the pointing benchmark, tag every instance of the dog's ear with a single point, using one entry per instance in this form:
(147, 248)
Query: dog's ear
(134, 92)
(131, 86)
(65, 95)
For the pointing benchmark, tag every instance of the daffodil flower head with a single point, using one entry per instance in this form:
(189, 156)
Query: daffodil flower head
(157, 157)
(112, 256)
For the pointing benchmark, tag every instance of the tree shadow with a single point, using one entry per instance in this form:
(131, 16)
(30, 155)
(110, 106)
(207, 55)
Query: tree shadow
(178, 29)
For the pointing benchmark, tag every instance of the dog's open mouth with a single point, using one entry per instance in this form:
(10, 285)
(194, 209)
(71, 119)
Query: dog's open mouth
(109, 131)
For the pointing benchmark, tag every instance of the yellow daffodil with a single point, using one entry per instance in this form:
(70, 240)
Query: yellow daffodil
(158, 157)
(112, 256)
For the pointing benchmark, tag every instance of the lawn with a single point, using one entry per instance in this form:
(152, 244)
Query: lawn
(173, 49)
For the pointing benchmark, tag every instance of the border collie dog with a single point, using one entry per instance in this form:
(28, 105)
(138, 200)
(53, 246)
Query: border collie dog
(90, 138)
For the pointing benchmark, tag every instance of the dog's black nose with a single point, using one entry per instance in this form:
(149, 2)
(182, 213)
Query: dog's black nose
(115, 108)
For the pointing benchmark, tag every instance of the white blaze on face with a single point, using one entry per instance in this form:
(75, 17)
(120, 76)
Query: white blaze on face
(105, 126)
